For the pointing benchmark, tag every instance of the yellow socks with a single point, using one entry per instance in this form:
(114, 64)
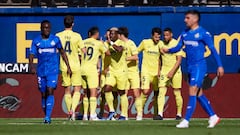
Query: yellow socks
(161, 100)
(75, 100)
(124, 105)
(85, 106)
(109, 100)
(139, 106)
(179, 101)
(68, 101)
(93, 105)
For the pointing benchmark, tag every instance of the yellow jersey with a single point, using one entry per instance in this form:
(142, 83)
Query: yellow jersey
(151, 54)
(94, 49)
(131, 50)
(105, 59)
(118, 59)
(72, 44)
(169, 59)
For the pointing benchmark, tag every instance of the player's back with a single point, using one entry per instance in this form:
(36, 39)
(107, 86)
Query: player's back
(94, 49)
(169, 59)
(194, 41)
(151, 54)
(46, 50)
(118, 59)
(72, 44)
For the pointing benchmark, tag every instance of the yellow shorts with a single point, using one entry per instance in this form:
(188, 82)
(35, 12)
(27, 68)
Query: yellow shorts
(74, 80)
(117, 78)
(90, 79)
(102, 80)
(133, 81)
(147, 79)
(175, 82)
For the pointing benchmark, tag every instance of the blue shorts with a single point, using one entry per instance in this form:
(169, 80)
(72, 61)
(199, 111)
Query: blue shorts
(49, 81)
(196, 74)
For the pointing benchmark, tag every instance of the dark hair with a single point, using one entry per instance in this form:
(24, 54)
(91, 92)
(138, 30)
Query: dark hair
(123, 31)
(44, 21)
(156, 30)
(194, 12)
(92, 31)
(168, 29)
(68, 21)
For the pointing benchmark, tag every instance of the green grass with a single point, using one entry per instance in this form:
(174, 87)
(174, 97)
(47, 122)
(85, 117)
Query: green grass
(130, 127)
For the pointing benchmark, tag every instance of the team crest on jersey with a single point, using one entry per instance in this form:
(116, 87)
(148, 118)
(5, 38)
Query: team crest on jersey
(197, 35)
(52, 43)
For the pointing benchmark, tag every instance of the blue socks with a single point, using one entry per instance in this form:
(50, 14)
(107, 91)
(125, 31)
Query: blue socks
(49, 106)
(206, 105)
(44, 105)
(191, 107)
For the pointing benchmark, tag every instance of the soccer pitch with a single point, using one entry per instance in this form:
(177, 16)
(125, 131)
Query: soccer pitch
(130, 127)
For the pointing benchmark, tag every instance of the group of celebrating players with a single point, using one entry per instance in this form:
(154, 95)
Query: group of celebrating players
(116, 62)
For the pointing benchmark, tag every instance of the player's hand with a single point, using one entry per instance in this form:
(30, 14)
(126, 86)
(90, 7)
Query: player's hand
(32, 70)
(164, 50)
(220, 71)
(170, 74)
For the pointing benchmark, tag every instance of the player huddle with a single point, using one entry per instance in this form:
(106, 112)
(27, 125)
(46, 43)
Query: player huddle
(112, 65)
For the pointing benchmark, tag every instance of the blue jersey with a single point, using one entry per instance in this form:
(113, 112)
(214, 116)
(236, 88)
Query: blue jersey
(46, 51)
(195, 41)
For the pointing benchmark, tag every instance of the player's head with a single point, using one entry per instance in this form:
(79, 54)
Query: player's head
(107, 34)
(45, 28)
(167, 32)
(68, 21)
(123, 32)
(192, 17)
(113, 34)
(156, 34)
(93, 32)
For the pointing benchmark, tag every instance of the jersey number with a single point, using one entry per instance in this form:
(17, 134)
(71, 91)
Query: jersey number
(89, 53)
(67, 47)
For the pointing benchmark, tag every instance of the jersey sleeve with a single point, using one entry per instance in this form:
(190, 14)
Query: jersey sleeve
(33, 49)
(207, 39)
(80, 44)
(103, 48)
(133, 48)
(141, 47)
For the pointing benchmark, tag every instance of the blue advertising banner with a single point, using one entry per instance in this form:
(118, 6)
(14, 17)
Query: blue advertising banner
(19, 29)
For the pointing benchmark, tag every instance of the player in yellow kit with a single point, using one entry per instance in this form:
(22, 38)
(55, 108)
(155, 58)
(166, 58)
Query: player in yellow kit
(133, 71)
(117, 75)
(170, 75)
(89, 72)
(150, 64)
(72, 43)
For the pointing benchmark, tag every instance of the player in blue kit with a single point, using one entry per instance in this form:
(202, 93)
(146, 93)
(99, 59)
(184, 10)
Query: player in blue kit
(46, 47)
(195, 38)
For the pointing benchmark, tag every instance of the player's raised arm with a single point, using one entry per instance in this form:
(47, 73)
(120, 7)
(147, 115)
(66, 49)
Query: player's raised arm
(178, 47)
(209, 42)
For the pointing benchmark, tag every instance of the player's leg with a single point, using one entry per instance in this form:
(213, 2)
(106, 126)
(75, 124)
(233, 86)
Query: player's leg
(161, 96)
(205, 103)
(134, 81)
(67, 95)
(177, 84)
(42, 85)
(102, 97)
(196, 74)
(51, 86)
(93, 84)
(121, 81)
(76, 82)
(110, 82)
(154, 82)
(85, 98)
(145, 86)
